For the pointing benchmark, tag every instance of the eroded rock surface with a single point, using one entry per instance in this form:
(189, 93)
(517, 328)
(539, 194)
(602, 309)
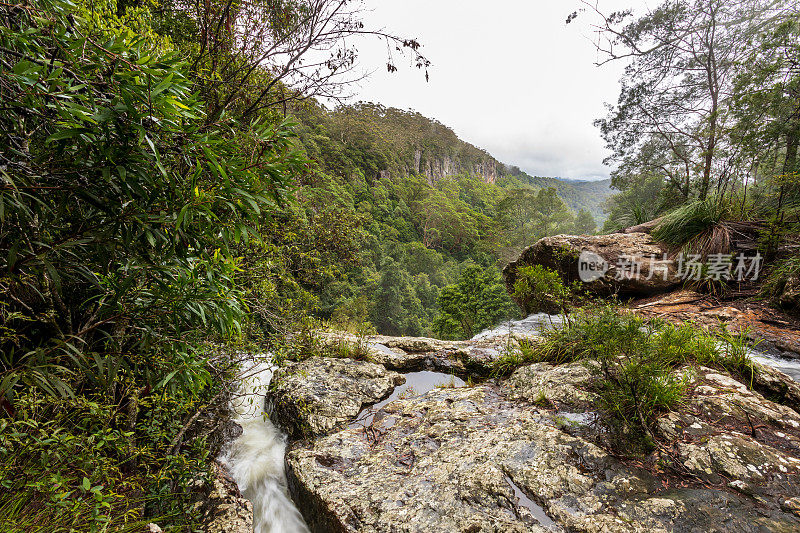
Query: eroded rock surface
(411, 354)
(315, 396)
(507, 457)
(790, 297)
(222, 507)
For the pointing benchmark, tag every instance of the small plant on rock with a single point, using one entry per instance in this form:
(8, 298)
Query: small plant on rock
(642, 367)
(538, 289)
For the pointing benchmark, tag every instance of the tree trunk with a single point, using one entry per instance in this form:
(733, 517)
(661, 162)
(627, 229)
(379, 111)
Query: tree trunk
(790, 163)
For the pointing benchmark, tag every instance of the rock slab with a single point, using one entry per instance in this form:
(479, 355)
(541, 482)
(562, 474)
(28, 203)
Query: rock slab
(491, 458)
(318, 395)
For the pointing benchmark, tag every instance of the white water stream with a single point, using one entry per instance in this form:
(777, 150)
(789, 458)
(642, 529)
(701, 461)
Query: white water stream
(256, 458)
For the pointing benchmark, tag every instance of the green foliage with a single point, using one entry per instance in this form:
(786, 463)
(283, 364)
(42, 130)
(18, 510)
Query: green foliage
(697, 226)
(642, 366)
(70, 465)
(584, 224)
(478, 301)
(126, 203)
(121, 212)
(578, 195)
(640, 200)
(404, 224)
(540, 290)
(530, 215)
(707, 115)
(779, 277)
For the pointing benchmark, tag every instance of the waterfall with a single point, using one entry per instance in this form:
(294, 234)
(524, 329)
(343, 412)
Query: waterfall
(256, 458)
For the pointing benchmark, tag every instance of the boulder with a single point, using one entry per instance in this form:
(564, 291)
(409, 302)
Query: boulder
(221, 506)
(599, 263)
(316, 396)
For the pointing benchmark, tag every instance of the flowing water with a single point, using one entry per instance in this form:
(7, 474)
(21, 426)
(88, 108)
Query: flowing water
(255, 458)
(790, 367)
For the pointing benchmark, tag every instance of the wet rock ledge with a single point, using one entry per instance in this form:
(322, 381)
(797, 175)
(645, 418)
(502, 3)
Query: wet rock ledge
(526, 453)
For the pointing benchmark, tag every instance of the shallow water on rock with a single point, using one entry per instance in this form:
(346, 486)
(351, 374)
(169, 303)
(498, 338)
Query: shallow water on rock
(416, 383)
(381, 347)
(536, 510)
(578, 419)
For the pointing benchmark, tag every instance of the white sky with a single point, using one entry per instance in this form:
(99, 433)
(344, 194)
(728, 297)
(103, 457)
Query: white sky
(509, 76)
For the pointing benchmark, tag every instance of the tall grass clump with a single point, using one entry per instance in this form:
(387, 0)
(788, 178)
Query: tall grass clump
(698, 227)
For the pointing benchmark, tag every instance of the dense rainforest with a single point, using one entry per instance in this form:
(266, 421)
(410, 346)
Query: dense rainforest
(397, 208)
(176, 187)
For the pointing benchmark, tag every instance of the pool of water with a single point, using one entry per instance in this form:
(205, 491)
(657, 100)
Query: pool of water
(416, 383)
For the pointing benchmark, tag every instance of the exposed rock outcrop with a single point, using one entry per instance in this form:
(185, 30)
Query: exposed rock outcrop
(320, 394)
(624, 263)
(437, 167)
(492, 458)
(531, 452)
(409, 354)
(222, 507)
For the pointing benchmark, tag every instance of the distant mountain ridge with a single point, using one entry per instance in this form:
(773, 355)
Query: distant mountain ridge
(579, 194)
(380, 141)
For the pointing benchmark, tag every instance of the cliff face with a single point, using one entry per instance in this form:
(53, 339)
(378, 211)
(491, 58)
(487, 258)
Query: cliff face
(438, 167)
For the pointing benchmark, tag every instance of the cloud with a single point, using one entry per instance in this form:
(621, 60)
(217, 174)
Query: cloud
(512, 78)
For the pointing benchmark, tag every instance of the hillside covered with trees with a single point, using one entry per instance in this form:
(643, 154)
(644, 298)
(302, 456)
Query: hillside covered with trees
(173, 195)
(412, 207)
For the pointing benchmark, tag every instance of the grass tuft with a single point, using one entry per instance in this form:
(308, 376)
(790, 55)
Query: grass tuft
(697, 227)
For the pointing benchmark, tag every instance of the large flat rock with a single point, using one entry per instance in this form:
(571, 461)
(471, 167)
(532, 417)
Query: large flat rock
(492, 458)
(318, 395)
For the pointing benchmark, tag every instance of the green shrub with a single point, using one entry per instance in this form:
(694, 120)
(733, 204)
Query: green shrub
(72, 465)
(539, 289)
(641, 365)
(779, 277)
